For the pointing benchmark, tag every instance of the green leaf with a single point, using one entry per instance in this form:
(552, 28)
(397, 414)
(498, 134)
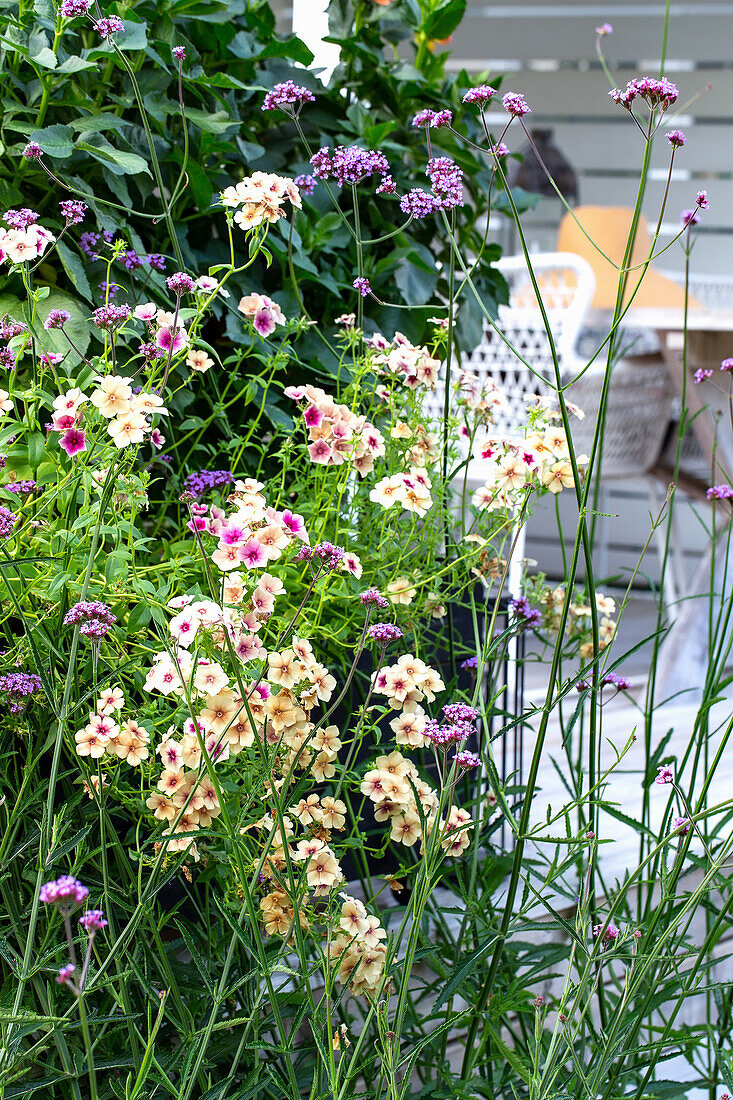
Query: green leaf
(46, 58)
(75, 65)
(56, 140)
(68, 846)
(130, 164)
(461, 974)
(74, 268)
(96, 122)
(443, 20)
(215, 123)
(198, 959)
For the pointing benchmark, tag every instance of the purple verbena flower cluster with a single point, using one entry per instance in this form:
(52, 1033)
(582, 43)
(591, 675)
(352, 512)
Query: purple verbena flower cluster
(8, 521)
(655, 92)
(384, 633)
(350, 165)
(95, 617)
(179, 53)
(287, 95)
(419, 203)
(108, 27)
(524, 614)
(57, 318)
(434, 119)
(516, 105)
(446, 179)
(471, 663)
(665, 775)
(460, 725)
(306, 184)
(480, 94)
(19, 686)
(93, 920)
(466, 760)
(362, 285)
(71, 8)
(609, 936)
(66, 892)
(73, 211)
(20, 218)
(374, 598)
(676, 139)
(110, 317)
(201, 482)
(33, 151)
(24, 485)
(726, 364)
(720, 492)
(180, 283)
(701, 375)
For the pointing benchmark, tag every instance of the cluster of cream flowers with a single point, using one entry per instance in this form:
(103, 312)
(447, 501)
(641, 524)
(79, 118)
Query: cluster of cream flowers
(540, 460)
(551, 600)
(337, 434)
(410, 490)
(259, 198)
(127, 413)
(411, 364)
(103, 733)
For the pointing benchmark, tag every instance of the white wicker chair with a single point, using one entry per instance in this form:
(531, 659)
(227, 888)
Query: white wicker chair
(640, 394)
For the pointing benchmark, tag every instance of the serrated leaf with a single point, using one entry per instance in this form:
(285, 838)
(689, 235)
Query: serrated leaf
(198, 959)
(56, 140)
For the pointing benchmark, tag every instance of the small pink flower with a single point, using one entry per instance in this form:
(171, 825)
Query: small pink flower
(253, 554)
(233, 535)
(294, 525)
(145, 312)
(664, 775)
(320, 452)
(313, 416)
(73, 441)
(264, 322)
(295, 393)
(168, 339)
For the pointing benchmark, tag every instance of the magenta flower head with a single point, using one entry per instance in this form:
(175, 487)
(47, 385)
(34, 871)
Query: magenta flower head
(180, 283)
(71, 8)
(306, 184)
(460, 712)
(73, 441)
(33, 151)
(434, 119)
(470, 664)
(64, 975)
(57, 318)
(110, 317)
(329, 554)
(676, 139)
(66, 892)
(665, 775)
(682, 825)
(8, 521)
(467, 760)
(384, 633)
(612, 679)
(609, 936)
(516, 105)
(179, 53)
(720, 492)
(93, 920)
(604, 29)
(374, 598)
(419, 203)
(424, 117)
(20, 219)
(702, 200)
(689, 217)
(726, 364)
(90, 611)
(362, 285)
(73, 211)
(108, 27)
(481, 94)
(287, 96)
(702, 374)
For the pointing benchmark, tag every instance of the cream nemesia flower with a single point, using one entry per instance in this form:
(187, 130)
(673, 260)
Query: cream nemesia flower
(112, 397)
